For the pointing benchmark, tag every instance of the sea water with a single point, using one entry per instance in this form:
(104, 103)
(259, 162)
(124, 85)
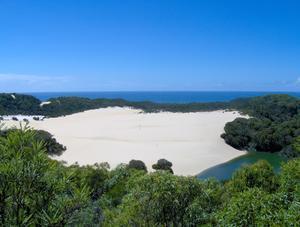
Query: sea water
(162, 96)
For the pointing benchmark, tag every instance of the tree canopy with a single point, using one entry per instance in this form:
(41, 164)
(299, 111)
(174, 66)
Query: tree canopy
(38, 191)
(273, 126)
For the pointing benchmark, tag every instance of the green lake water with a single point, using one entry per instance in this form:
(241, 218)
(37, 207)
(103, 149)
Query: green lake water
(225, 170)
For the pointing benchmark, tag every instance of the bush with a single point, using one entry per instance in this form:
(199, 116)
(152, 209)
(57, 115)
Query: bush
(35, 191)
(290, 179)
(52, 146)
(94, 176)
(157, 199)
(259, 175)
(50, 143)
(252, 207)
(163, 164)
(137, 164)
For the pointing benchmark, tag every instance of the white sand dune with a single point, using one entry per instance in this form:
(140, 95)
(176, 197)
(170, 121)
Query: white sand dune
(191, 141)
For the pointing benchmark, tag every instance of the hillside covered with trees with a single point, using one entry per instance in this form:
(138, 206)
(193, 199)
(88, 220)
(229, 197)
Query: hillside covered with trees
(19, 104)
(38, 191)
(273, 126)
(273, 107)
(26, 104)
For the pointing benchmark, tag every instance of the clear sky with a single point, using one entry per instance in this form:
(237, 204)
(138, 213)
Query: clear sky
(112, 45)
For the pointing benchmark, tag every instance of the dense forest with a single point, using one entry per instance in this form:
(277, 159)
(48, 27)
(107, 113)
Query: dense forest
(38, 191)
(274, 125)
(277, 108)
(26, 104)
(19, 104)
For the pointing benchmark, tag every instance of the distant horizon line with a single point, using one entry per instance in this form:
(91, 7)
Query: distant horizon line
(146, 91)
(154, 91)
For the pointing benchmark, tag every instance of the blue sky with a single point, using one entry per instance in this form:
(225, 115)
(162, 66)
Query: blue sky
(113, 45)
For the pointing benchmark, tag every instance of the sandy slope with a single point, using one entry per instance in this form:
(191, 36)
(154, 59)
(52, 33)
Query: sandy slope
(116, 135)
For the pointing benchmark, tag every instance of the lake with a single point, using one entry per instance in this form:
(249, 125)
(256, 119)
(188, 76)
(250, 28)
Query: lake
(224, 171)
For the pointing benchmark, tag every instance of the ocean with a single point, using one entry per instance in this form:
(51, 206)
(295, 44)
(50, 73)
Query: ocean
(163, 96)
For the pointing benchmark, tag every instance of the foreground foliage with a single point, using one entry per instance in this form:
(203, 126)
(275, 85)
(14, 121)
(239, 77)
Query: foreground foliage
(37, 191)
(52, 147)
(33, 189)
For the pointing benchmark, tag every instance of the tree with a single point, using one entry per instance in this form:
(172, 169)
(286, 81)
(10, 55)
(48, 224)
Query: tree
(260, 175)
(11, 104)
(296, 146)
(36, 118)
(35, 190)
(51, 145)
(158, 199)
(93, 176)
(49, 142)
(163, 164)
(252, 207)
(137, 164)
(290, 179)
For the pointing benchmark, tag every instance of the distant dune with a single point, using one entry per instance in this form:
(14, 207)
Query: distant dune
(191, 141)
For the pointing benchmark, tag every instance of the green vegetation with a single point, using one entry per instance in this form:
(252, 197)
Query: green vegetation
(52, 147)
(25, 104)
(277, 108)
(163, 164)
(137, 164)
(38, 191)
(273, 127)
(69, 105)
(19, 104)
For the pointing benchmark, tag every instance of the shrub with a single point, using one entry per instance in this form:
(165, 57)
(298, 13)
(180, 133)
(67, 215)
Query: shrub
(137, 164)
(35, 191)
(163, 164)
(248, 208)
(157, 199)
(260, 175)
(52, 146)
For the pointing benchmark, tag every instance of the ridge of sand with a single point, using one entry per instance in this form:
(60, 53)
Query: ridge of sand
(191, 141)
